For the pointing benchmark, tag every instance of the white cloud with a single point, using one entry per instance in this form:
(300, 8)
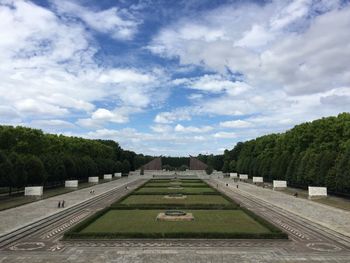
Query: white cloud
(48, 67)
(170, 117)
(53, 124)
(119, 24)
(161, 128)
(213, 84)
(236, 124)
(306, 52)
(225, 135)
(192, 129)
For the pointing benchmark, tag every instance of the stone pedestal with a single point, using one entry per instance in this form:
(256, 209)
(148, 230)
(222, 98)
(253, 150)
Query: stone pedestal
(233, 175)
(93, 179)
(107, 176)
(279, 185)
(243, 177)
(317, 192)
(71, 184)
(33, 191)
(258, 180)
(118, 175)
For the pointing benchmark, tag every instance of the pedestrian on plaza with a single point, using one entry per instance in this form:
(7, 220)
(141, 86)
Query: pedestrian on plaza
(59, 204)
(63, 204)
(237, 186)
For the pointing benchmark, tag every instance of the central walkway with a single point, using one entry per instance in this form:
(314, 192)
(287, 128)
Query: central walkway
(12, 219)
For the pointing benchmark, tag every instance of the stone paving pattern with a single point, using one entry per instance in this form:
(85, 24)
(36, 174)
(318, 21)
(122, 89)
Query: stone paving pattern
(20, 216)
(330, 217)
(308, 241)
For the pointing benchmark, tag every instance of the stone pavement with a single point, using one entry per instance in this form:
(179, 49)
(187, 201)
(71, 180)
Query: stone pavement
(21, 216)
(327, 216)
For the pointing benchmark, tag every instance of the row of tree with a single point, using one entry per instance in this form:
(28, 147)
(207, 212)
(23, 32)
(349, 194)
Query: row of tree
(30, 157)
(315, 153)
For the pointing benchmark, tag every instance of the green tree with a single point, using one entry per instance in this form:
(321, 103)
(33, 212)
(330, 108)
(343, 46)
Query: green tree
(35, 170)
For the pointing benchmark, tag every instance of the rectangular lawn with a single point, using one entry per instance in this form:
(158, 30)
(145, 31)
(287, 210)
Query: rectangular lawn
(190, 200)
(185, 190)
(205, 221)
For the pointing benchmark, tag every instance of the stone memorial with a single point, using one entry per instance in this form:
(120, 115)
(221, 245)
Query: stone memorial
(233, 175)
(118, 175)
(317, 192)
(71, 183)
(243, 177)
(33, 191)
(107, 176)
(93, 179)
(278, 185)
(258, 179)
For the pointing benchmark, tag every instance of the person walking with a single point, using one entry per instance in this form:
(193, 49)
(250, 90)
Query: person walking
(63, 204)
(59, 204)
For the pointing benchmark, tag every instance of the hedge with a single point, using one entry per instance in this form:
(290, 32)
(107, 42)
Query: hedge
(204, 235)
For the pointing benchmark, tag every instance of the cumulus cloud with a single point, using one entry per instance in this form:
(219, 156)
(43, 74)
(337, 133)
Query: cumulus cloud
(118, 23)
(48, 67)
(236, 124)
(225, 135)
(192, 129)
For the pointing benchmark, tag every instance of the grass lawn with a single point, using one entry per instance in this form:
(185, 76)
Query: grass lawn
(190, 200)
(185, 190)
(208, 221)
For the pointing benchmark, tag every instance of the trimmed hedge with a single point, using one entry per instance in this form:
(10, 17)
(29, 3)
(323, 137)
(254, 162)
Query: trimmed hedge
(174, 185)
(166, 193)
(206, 235)
(175, 206)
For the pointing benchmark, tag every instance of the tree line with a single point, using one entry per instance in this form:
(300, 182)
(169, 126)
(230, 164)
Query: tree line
(315, 153)
(30, 157)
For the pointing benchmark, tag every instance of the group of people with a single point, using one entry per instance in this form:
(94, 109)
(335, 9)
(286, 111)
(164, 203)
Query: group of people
(92, 192)
(61, 204)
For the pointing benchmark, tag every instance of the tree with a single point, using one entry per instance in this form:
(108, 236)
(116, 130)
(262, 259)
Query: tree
(209, 170)
(118, 167)
(18, 172)
(6, 172)
(35, 170)
(125, 167)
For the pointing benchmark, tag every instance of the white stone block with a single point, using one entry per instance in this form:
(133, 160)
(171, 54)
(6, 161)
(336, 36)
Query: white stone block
(93, 179)
(107, 176)
(243, 177)
(71, 183)
(233, 175)
(258, 179)
(117, 174)
(33, 191)
(279, 184)
(315, 192)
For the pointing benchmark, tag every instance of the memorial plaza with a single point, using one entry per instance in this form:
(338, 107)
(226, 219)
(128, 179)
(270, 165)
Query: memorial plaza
(42, 232)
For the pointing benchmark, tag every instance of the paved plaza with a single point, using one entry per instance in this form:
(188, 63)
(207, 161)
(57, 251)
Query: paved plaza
(309, 241)
(14, 218)
(330, 217)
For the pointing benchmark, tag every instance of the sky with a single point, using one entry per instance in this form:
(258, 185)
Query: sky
(173, 77)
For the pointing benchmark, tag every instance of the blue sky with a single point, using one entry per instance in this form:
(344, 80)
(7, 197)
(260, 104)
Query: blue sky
(173, 77)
